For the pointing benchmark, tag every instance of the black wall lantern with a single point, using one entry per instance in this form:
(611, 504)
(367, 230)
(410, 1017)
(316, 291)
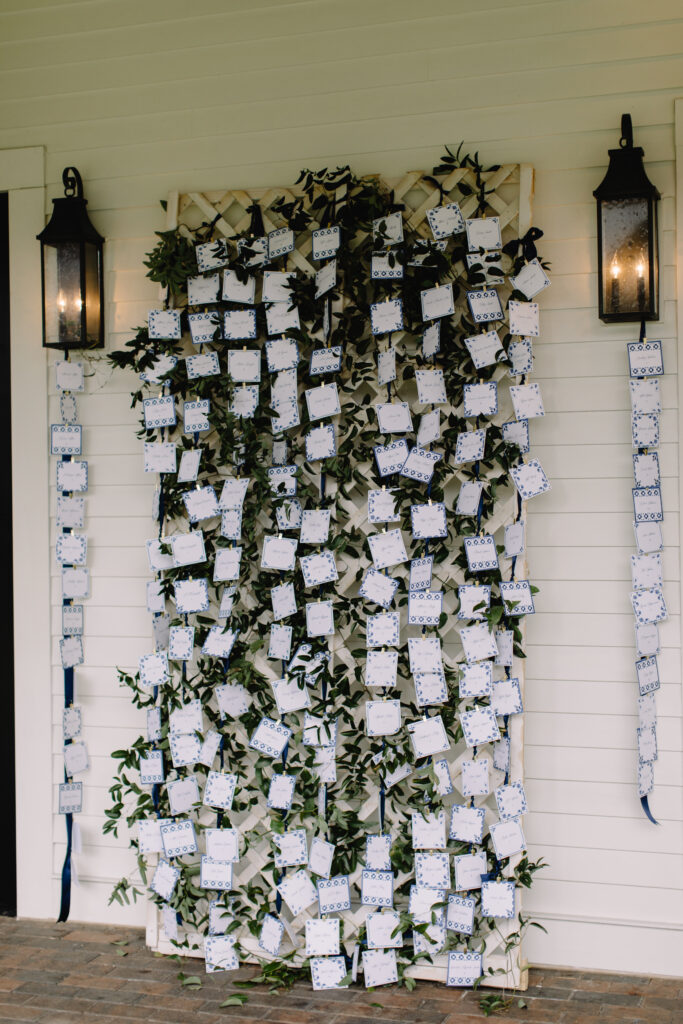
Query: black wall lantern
(71, 269)
(627, 236)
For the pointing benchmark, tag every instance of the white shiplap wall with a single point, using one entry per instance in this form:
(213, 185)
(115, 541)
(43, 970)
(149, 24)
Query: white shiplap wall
(144, 98)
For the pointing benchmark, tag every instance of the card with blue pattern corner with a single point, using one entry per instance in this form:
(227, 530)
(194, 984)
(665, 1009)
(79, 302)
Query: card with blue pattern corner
(220, 953)
(645, 359)
(283, 481)
(219, 642)
(506, 697)
(431, 387)
(386, 366)
(388, 230)
(325, 360)
(244, 365)
(236, 289)
(283, 600)
(481, 552)
(280, 242)
(320, 857)
(428, 736)
(270, 738)
(469, 446)
(280, 644)
(322, 936)
(72, 620)
(646, 778)
(428, 830)
(67, 438)
(70, 509)
(474, 600)
(383, 629)
(191, 595)
(469, 498)
(476, 679)
(287, 415)
(377, 888)
(282, 354)
(69, 375)
(227, 562)
(70, 798)
(524, 318)
(319, 618)
(514, 539)
(647, 744)
(231, 524)
(203, 289)
(386, 316)
(529, 479)
(280, 318)
(425, 654)
(446, 220)
(187, 548)
(219, 790)
(164, 324)
(507, 838)
(291, 847)
(378, 587)
(460, 914)
(433, 870)
(321, 443)
(483, 233)
(387, 549)
(328, 972)
(437, 302)
(211, 255)
(645, 396)
(325, 242)
(205, 328)
(501, 754)
(382, 930)
(481, 399)
(431, 341)
(645, 430)
(428, 520)
(511, 800)
(647, 639)
(394, 417)
(469, 867)
(334, 894)
(463, 969)
(178, 838)
(444, 783)
(71, 651)
(517, 597)
(521, 356)
(484, 348)
(649, 605)
(165, 879)
(479, 726)
(385, 266)
(527, 401)
(531, 279)
(325, 279)
(382, 506)
(485, 306)
(378, 853)
(648, 675)
(162, 365)
(196, 416)
(424, 607)
(153, 669)
(379, 967)
(271, 935)
(391, 457)
(383, 717)
(647, 504)
(289, 514)
(475, 777)
(420, 464)
(649, 537)
(183, 794)
(181, 643)
(421, 573)
(279, 552)
(323, 401)
(517, 432)
(239, 324)
(71, 548)
(68, 409)
(646, 470)
(71, 722)
(381, 668)
(75, 582)
(430, 689)
(253, 251)
(151, 766)
(233, 699)
(467, 823)
(160, 457)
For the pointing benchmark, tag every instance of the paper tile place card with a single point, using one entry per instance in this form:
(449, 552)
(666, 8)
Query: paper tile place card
(481, 552)
(485, 306)
(645, 358)
(387, 316)
(446, 220)
(379, 967)
(531, 279)
(463, 969)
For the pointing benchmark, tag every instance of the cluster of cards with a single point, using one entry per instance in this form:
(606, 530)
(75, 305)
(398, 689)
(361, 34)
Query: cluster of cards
(71, 550)
(646, 366)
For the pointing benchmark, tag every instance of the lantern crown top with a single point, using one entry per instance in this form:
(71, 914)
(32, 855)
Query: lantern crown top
(626, 177)
(70, 221)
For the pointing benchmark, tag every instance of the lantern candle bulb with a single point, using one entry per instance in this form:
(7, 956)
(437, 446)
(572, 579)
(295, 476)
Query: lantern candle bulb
(640, 270)
(614, 293)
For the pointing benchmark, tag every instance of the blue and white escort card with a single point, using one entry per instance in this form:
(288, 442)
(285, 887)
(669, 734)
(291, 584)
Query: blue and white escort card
(431, 387)
(327, 972)
(437, 302)
(334, 894)
(378, 587)
(379, 967)
(518, 597)
(531, 279)
(377, 888)
(387, 316)
(381, 668)
(387, 549)
(467, 823)
(645, 358)
(382, 930)
(164, 324)
(383, 717)
(507, 837)
(470, 446)
(446, 220)
(485, 306)
(524, 318)
(270, 738)
(322, 936)
(383, 630)
(463, 969)
(529, 479)
(481, 552)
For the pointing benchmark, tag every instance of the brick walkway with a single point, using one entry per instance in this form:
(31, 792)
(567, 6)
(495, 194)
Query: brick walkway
(74, 974)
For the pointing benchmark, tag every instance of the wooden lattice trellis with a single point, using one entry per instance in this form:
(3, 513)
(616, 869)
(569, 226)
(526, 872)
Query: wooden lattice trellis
(509, 191)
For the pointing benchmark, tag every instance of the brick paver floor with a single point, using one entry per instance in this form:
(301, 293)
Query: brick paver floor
(76, 974)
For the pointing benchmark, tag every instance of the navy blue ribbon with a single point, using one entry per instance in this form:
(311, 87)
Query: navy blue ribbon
(65, 901)
(645, 803)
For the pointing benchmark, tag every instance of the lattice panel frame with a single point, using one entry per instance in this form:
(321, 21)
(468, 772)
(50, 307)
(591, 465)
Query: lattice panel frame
(509, 193)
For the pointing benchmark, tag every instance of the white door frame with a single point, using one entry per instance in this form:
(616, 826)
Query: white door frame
(22, 176)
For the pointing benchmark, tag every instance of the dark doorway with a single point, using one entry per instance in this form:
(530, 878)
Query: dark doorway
(8, 857)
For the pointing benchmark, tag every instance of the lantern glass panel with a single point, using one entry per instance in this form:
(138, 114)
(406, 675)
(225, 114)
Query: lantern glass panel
(92, 294)
(63, 300)
(625, 255)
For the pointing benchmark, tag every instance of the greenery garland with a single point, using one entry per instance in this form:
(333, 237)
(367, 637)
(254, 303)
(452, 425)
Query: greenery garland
(325, 198)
